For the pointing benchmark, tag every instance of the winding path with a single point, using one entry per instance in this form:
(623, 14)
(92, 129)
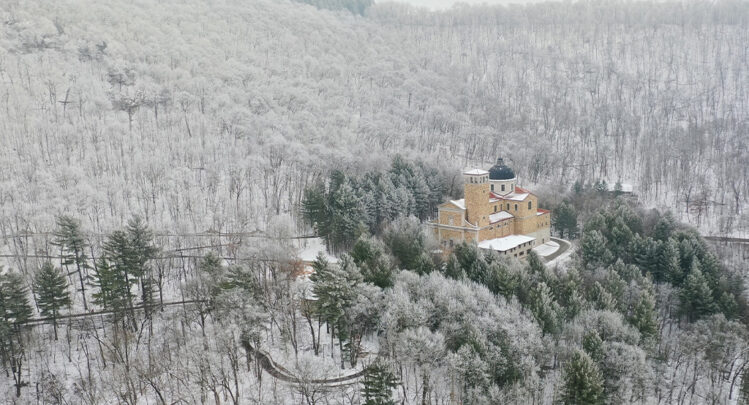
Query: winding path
(281, 373)
(564, 245)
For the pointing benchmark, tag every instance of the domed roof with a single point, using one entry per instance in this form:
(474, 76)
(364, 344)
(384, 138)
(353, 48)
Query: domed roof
(500, 171)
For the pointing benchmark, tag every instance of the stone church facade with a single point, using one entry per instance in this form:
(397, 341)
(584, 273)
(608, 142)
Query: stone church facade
(495, 213)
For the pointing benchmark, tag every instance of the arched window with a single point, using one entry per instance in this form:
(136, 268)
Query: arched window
(530, 204)
(516, 208)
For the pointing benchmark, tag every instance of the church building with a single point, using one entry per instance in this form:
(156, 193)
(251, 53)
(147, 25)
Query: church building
(496, 213)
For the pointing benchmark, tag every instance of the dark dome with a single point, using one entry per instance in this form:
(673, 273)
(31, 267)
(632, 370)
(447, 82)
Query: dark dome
(500, 171)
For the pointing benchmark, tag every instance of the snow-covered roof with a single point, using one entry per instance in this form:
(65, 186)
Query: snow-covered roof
(506, 243)
(475, 172)
(519, 194)
(499, 216)
(460, 203)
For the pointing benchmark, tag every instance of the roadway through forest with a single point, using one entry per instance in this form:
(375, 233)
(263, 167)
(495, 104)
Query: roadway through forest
(281, 373)
(263, 358)
(564, 246)
(40, 321)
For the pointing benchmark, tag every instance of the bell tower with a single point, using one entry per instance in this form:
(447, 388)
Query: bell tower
(476, 190)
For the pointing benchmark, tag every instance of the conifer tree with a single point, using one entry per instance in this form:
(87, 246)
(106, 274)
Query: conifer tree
(114, 293)
(143, 250)
(69, 238)
(593, 346)
(14, 312)
(644, 317)
(335, 287)
(664, 227)
(564, 219)
(378, 384)
(544, 308)
(51, 289)
(668, 267)
(583, 381)
(594, 248)
(696, 296)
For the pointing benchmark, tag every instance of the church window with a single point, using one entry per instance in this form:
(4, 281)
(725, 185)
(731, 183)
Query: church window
(495, 208)
(516, 208)
(530, 204)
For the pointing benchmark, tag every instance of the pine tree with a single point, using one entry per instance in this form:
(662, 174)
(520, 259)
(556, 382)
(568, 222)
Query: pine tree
(594, 248)
(335, 287)
(593, 346)
(378, 384)
(664, 227)
(51, 289)
(696, 296)
(668, 267)
(14, 312)
(564, 219)
(644, 317)
(114, 293)
(583, 381)
(69, 238)
(369, 256)
(544, 308)
(143, 251)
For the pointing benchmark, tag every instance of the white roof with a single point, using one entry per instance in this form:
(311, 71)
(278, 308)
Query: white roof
(516, 196)
(506, 243)
(499, 216)
(460, 203)
(475, 172)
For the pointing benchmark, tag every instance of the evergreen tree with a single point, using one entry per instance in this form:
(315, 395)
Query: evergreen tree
(727, 305)
(143, 251)
(593, 346)
(69, 238)
(664, 227)
(501, 281)
(564, 219)
(113, 288)
(621, 237)
(578, 187)
(378, 384)
(601, 187)
(335, 287)
(369, 256)
(594, 249)
(544, 308)
(14, 312)
(618, 189)
(696, 296)
(51, 289)
(406, 241)
(668, 267)
(583, 382)
(645, 254)
(644, 317)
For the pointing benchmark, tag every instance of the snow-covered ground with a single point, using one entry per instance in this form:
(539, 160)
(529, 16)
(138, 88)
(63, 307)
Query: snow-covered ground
(546, 249)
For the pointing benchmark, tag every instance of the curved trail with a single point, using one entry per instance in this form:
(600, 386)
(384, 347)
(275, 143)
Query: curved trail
(281, 373)
(564, 246)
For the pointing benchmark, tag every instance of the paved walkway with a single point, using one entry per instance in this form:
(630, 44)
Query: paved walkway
(564, 245)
